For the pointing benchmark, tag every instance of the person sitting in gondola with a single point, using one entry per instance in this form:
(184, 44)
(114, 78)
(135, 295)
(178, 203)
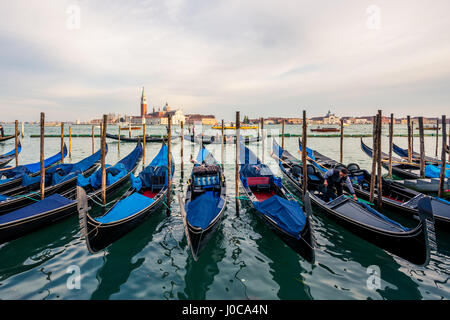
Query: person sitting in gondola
(334, 179)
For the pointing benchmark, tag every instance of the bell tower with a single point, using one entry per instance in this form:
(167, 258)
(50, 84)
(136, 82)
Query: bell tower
(143, 104)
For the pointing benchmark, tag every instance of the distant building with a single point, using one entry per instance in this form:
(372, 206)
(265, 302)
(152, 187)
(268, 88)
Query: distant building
(199, 118)
(330, 118)
(157, 117)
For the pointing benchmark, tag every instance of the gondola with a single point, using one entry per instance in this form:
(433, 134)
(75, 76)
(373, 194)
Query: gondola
(412, 245)
(204, 140)
(147, 194)
(6, 138)
(59, 206)
(395, 196)
(325, 130)
(59, 178)
(7, 157)
(402, 170)
(136, 139)
(415, 155)
(205, 201)
(12, 177)
(231, 139)
(275, 205)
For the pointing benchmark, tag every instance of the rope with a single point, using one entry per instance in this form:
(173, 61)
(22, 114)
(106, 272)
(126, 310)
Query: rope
(295, 197)
(26, 196)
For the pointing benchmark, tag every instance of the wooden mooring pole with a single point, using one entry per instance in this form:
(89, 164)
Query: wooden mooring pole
(422, 148)
(16, 132)
(169, 161)
(282, 134)
(443, 156)
(118, 144)
(103, 147)
(409, 139)
(182, 147)
(391, 142)
(263, 138)
(42, 156)
(374, 160)
(304, 160)
(62, 142)
(93, 143)
(144, 141)
(379, 167)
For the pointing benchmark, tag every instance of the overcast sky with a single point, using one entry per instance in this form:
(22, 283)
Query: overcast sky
(264, 58)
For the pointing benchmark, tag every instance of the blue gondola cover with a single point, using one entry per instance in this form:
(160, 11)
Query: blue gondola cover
(435, 171)
(49, 203)
(203, 209)
(126, 207)
(287, 214)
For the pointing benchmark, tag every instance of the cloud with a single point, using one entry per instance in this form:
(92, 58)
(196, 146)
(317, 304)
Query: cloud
(259, 57)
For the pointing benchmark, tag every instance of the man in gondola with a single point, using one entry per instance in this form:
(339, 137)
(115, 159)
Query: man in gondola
(334, 180)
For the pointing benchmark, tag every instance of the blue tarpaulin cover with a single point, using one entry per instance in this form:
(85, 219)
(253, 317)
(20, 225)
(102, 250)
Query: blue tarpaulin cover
(18, 172)
(309, 152)
(49, 203)
(64, 171)
(3, 198)
(435, 171)
(36, 167)
(287, 214)
(156, 168)
(113, 173)
(203, 209)
(126, 207)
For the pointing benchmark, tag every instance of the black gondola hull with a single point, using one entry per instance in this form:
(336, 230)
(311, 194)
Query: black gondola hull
(99, 236)
(136, 139)
(303, 246)
(200, 238)
(26, 199)
(411, 246)
(18, 229)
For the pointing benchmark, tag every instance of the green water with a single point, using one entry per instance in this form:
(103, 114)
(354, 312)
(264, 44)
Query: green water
(243, 260)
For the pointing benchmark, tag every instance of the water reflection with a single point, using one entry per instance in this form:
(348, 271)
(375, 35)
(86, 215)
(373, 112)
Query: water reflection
(200, 274)
(34, 249)
(118, 257)
(285, 264)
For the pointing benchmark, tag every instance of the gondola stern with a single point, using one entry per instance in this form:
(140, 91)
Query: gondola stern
(83, 215)
(427, 219)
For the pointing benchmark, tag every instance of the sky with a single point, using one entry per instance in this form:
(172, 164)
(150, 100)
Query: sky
(81, 59)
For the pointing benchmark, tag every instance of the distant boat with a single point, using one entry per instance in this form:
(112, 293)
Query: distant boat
(325, 130)
(4, 138)
(234, 127)
(429, 128)
(136, 139)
